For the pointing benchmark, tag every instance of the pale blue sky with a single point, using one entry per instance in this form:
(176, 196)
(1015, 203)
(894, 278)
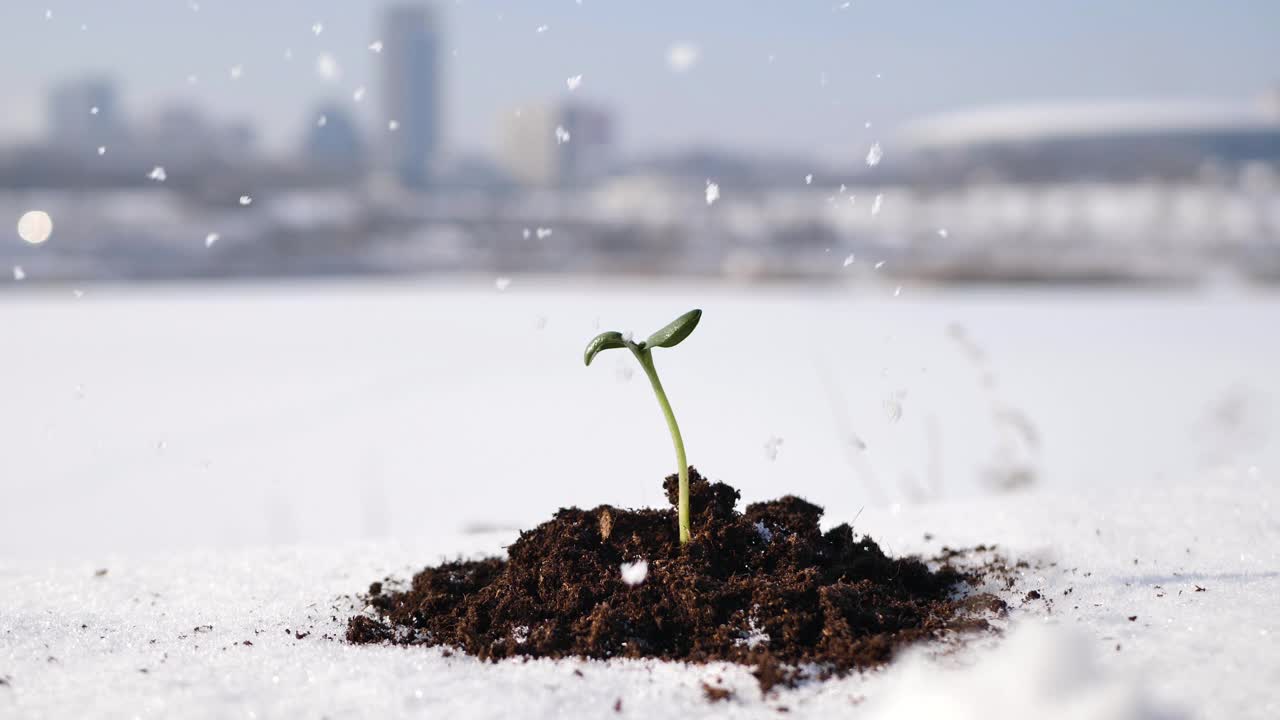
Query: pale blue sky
(930, 56)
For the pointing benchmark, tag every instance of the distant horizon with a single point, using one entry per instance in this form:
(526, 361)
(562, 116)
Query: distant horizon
(800, 82)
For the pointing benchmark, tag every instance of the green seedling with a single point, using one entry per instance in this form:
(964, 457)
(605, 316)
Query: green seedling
(669, 336)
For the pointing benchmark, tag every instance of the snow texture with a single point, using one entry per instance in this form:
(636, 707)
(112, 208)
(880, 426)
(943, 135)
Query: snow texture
(245, 461)
(216, 634)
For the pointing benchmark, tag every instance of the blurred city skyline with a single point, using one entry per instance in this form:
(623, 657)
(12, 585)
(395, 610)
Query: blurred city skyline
(802, 79)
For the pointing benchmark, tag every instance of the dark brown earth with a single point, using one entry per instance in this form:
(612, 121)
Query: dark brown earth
(765, 588)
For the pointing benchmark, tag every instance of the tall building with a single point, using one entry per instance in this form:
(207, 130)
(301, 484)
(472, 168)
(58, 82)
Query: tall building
(411, 79)
(557, 145)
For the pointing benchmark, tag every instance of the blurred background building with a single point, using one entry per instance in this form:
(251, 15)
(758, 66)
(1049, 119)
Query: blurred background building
(412, 88)
(1113, 191)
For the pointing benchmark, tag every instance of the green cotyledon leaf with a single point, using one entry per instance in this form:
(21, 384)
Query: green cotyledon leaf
(604, 341)
(675, 331)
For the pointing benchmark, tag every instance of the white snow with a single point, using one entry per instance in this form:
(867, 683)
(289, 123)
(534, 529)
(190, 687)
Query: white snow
(316, 439)
(327, 67)
(562, 135)
(634, 573)
(874, 155)
(771, 448)
(764, 532)
(681, 57)
(713, 192)
(1041, 671)
(574, 82)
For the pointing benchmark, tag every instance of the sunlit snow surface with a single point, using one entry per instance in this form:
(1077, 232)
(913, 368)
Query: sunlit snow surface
(172, 437)
(1206, 654)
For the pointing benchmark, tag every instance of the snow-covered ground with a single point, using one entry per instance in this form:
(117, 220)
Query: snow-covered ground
(240, 458)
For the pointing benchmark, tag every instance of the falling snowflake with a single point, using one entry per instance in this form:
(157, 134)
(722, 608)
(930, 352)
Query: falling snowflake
(897, 291)
(78, 293)
(288, 54)
(93, 110)
(634, 573)
(808, 179)
(573, 82)
(158, 174)
(542, 28)
(848, 260)
(502, 283)
(322, 121)
(192, 79)
(875, 205)
(376, 46)
(358, 95)
(942, 232)
(317, 28)
(526, 233)
(893, 407)
(210, 239)
(35, 226)
(48, 14)
(19, 273)
(713, 192)
(102, 149)
(393, 125)
(237, 71)
(682, 56)
(880, 264)
(327, 67)
(867, 124)
(771, 447)
(874, 155)
(544, 233)
(246, 200)
(562, 135)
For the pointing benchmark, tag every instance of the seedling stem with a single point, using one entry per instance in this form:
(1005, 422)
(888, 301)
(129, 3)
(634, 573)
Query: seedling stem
(670, 336)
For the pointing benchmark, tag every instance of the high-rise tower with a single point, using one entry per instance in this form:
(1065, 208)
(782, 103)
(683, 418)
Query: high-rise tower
(411, 88)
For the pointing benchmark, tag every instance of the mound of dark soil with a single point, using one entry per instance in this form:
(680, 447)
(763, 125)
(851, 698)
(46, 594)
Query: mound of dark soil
(765, 587)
